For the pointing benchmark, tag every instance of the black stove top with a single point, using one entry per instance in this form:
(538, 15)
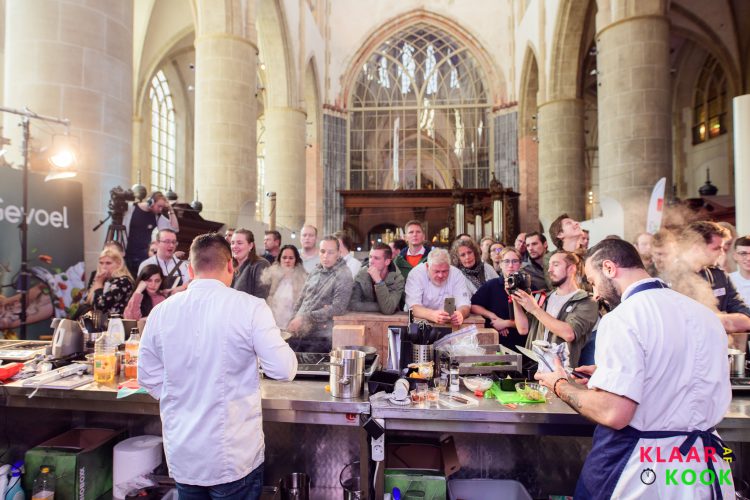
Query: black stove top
(740, 384)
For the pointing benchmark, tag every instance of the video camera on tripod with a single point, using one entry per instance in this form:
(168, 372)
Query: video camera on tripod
(116, 209)
(118, 204)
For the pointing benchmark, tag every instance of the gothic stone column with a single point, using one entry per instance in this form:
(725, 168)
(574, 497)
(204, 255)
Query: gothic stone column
(634, 107)
(561, 160)
(73, 59)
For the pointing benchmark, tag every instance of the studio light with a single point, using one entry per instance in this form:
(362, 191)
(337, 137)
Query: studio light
(63, 152)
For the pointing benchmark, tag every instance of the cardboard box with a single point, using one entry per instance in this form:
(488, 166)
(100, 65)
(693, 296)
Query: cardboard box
(81, 460)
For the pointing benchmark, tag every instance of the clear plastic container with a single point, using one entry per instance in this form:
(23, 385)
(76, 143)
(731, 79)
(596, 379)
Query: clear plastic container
(116, 329)
(44, 485)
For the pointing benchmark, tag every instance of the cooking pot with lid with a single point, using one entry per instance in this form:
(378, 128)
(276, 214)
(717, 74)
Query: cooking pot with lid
(347, 373)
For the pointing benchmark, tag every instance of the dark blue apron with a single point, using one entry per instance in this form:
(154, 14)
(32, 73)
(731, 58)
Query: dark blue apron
(612, 449)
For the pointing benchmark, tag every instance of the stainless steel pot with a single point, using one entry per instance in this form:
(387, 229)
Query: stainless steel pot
(347, 373)
(736, 363)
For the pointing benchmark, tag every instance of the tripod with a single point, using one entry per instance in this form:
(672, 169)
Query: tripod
(118, 233)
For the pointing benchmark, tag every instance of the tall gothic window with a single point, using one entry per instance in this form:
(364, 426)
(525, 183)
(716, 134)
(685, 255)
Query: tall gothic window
(163, 137)
(710, 102)
(419, 115)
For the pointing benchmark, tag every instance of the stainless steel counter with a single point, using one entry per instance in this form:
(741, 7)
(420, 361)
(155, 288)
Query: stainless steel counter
(551, 418)
(300, 401)
(306, 401)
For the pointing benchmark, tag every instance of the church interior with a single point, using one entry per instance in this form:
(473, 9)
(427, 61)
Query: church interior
(362, 115)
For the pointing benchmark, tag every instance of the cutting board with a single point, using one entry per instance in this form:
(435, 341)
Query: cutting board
(348, 335)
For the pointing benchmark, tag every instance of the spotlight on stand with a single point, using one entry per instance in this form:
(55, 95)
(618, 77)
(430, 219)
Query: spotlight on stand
(63, 163)
(62, 158)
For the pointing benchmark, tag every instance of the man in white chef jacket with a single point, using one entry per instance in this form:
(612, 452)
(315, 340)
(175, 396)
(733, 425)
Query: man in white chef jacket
(660, 386)
(199, 357)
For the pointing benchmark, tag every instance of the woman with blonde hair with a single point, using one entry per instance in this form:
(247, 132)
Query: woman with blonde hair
(285, 279)
(465, 255)
(112, 285)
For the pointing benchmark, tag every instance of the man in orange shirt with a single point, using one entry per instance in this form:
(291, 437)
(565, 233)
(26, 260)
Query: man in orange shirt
(416, 252)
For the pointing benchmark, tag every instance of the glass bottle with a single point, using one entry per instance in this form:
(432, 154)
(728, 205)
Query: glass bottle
(454, 383)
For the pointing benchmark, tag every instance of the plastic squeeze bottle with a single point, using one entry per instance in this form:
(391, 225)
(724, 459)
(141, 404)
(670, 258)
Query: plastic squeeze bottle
(44, 485)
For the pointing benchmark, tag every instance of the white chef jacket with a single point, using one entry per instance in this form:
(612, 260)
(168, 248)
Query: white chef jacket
(668, 353)
(199, 357)
(421, 291)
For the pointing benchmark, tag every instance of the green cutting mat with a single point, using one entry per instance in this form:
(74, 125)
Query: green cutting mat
(507, 397)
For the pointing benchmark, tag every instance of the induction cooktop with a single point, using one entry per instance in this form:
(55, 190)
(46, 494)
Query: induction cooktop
(315, 364)
(740, 384)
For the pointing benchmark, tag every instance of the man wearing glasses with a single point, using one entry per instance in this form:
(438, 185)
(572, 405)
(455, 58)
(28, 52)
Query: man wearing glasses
(173, 269)
(741, 277)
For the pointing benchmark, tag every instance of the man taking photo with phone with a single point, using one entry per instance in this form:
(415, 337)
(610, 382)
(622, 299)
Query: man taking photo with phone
(429, 285)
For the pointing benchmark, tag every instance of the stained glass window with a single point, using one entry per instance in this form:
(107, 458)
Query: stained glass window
(419, 115)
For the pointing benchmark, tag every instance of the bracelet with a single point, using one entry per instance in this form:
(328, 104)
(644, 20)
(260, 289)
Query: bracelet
(554, 386)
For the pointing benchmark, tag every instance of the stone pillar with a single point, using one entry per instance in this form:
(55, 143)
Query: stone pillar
(285, 170)
(634, 106)
(73, 59)
(562, 177)
(225, 141)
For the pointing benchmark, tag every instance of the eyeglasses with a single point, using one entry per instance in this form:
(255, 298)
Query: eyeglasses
(742, 255)
(498, 250)
(510, 261)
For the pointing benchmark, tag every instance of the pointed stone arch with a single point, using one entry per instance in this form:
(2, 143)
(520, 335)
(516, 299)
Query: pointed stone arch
(568, 46)
(313, 159)
(494, 77)
(276, 54)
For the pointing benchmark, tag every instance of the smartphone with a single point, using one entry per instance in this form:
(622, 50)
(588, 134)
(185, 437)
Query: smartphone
(449, 305)
(578, 374)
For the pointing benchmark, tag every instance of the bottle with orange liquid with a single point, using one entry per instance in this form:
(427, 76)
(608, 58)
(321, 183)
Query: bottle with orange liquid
(105, 357)
(131, 354)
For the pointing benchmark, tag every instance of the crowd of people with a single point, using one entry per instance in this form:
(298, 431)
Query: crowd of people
(306, 287)
(525, 291)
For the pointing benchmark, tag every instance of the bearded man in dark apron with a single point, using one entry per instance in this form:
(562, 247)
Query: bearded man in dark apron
(659, 388)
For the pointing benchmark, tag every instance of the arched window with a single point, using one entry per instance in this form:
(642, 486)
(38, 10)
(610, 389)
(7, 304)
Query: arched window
(163, 142)
(419, 115)
(710, 102)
